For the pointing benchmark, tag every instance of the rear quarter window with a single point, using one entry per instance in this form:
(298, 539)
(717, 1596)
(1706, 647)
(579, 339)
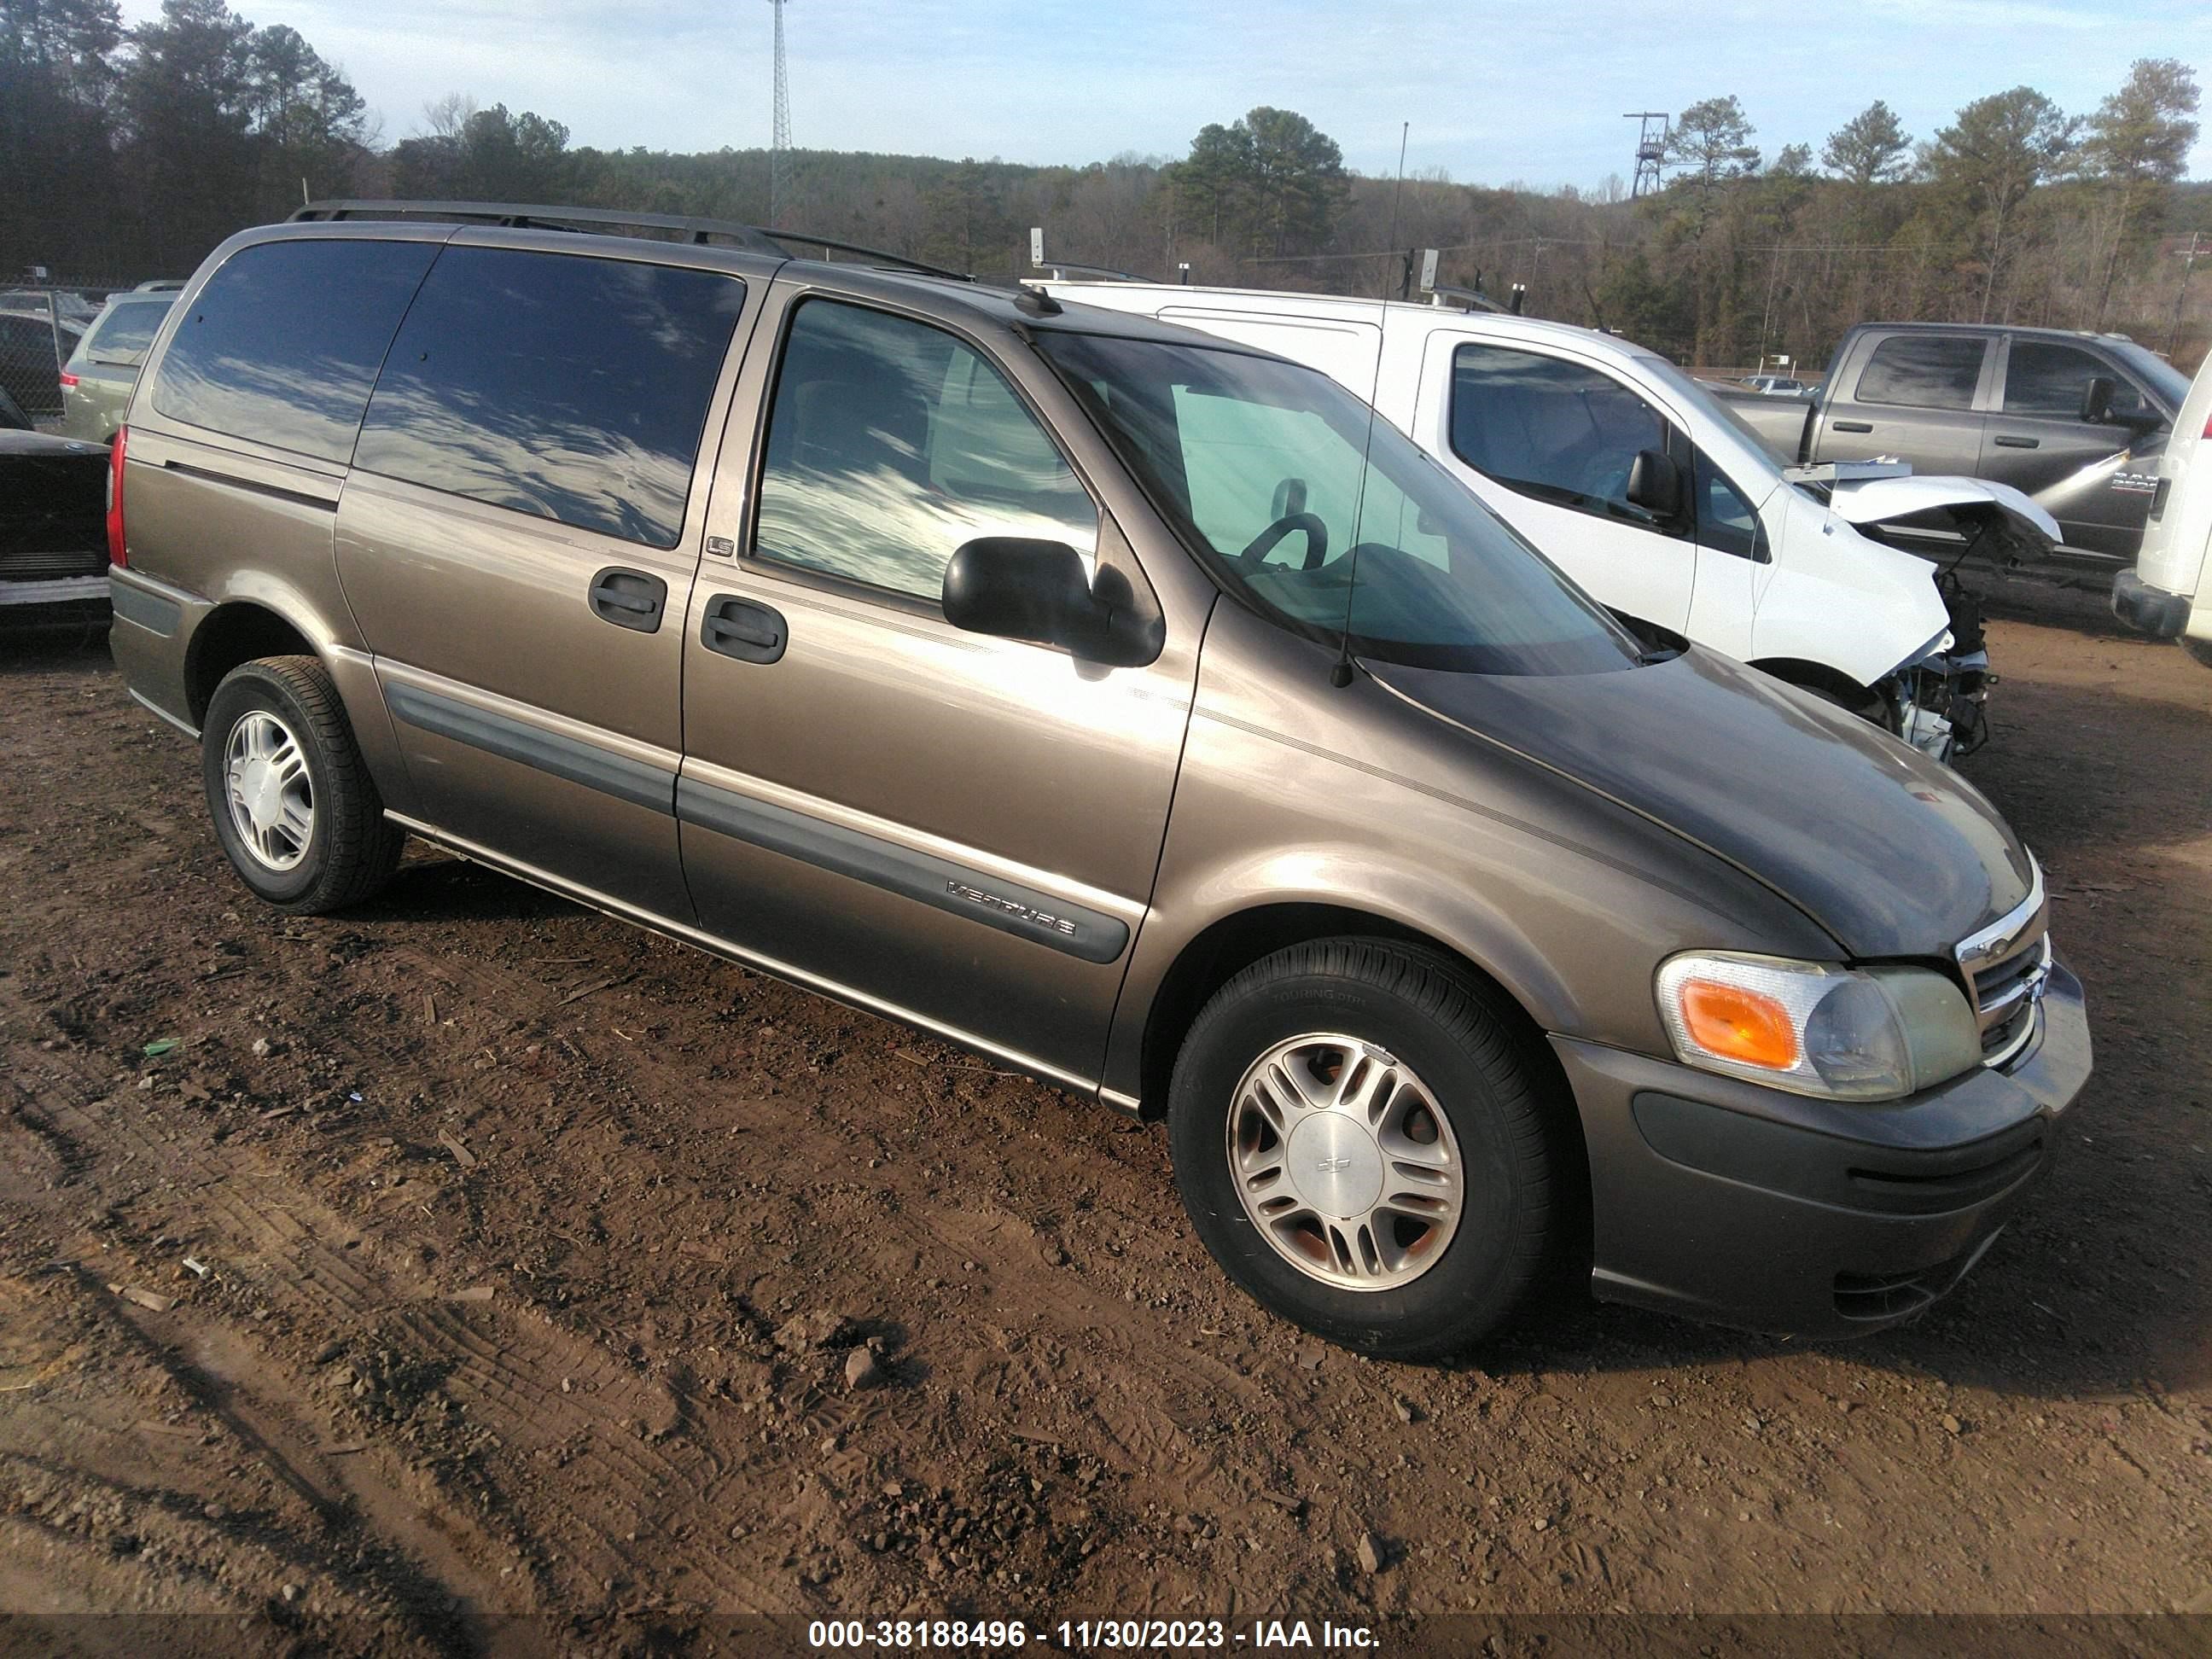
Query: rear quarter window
(123, 334)
(283, 344)
(562, 385)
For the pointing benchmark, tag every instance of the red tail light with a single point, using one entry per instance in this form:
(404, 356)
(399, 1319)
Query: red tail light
(117, 553)
(69, 379)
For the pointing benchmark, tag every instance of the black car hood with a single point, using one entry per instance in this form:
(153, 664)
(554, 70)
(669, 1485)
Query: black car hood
(1893, 853)
(40, 445)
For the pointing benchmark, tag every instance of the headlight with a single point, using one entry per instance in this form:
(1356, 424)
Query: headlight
(1846, 1033)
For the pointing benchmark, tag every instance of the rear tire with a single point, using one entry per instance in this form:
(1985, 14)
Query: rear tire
(1467, 1182)
(294, 808)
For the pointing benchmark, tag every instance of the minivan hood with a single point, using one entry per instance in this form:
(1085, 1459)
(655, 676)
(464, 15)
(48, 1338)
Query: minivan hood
(1892, 854)
(2015, 526)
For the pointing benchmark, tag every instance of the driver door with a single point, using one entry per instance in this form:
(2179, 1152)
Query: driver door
(1546, 440)
(2085, 472)
(952, 828)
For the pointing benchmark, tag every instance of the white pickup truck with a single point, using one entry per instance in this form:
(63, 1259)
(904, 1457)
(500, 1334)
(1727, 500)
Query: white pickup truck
(1645, 489)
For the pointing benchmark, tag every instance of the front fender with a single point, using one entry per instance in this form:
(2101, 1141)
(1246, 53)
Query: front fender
(1363, 802)
(1842, 600)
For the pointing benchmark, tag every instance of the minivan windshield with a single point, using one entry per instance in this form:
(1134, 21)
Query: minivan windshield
(1266, 470)
(1700, 397)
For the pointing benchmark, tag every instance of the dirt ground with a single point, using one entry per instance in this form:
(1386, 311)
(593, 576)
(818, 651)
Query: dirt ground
(365, 1279)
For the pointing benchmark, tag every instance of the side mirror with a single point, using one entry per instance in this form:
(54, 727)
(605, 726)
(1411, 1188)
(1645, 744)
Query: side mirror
(2097, 401)
(1022, 589)
(1655, 483)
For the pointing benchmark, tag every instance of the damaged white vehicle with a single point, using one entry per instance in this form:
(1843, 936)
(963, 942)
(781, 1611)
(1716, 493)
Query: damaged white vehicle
(1649, 492)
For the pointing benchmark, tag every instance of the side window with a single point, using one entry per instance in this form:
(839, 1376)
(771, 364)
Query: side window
(1727, 522)
(282, 345)
(558, 384)
(890, 443)
(121, 336)
(1553, 429)
(1923, 371)
(2045, 377)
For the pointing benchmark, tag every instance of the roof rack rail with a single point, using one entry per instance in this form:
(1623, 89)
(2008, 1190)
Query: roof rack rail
(524, 216)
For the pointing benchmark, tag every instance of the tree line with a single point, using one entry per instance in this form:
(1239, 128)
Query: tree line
(133, 151)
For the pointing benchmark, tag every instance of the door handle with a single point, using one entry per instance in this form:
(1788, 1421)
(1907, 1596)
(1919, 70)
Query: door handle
(629, 599)
(2010, 442)
(738, 627)
(1852, 426)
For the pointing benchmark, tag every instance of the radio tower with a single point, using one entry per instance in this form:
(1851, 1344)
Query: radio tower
(1651, 148)
(780, 138)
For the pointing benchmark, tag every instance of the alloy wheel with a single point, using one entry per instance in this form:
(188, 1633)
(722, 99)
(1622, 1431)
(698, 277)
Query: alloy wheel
(1345, 1162)
(270, 794)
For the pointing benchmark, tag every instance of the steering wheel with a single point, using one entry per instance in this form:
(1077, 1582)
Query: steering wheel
(1316, 534)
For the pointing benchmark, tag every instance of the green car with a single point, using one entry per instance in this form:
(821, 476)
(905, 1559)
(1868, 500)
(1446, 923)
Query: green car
(96, 381)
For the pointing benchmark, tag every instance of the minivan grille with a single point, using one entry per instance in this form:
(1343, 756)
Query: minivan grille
(2006, 965)
(2005, 995)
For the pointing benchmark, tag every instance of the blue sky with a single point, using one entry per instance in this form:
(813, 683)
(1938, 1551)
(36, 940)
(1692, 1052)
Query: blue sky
(1531, 91)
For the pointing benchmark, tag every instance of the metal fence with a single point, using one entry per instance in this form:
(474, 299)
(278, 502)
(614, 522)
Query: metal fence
(41, 322)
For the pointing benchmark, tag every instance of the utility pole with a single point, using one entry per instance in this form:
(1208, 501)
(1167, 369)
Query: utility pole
(2181, 294)
(1766, 316)
(780, 132)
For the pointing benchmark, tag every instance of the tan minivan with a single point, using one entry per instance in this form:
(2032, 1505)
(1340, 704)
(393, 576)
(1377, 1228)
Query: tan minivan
(1122, 704)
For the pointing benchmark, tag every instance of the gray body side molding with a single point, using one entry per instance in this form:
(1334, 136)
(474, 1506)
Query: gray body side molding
(587, 764)
(1075, 929)
(1079, 931)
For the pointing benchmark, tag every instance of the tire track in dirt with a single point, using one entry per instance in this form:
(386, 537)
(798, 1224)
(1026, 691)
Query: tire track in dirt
(299, 1527)
(1100, 1341)
(497, 1370)
(495, 1364)
(1065, 1380)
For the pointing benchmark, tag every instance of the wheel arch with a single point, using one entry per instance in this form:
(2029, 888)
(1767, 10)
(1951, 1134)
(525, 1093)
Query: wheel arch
(237, 631)
(1232, 943)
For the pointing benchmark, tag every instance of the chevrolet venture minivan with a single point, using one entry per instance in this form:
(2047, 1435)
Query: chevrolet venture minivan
(1113, 699)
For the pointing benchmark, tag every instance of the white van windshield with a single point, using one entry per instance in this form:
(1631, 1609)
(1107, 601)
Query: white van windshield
(1266, 470)
(1701, 399)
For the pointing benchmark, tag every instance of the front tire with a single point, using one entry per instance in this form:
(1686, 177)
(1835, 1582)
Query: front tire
(294, 808)
(1361, 1140)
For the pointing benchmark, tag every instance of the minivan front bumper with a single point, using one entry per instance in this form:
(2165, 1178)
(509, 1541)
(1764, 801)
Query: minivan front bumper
(1745, 1205)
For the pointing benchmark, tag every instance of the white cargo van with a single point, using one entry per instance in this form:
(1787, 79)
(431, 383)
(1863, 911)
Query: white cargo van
(2161, 595)
(1649, 492)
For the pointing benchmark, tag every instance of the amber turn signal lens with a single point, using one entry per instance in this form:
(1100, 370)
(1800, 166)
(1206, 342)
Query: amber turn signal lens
(1734, 1024)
